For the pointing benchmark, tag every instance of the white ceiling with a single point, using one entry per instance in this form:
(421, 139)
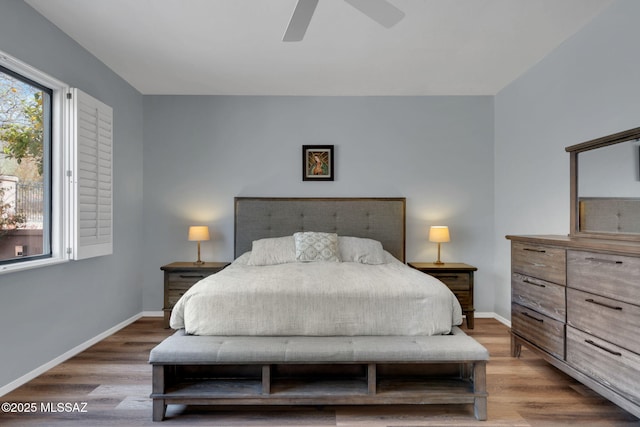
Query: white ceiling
(234, 47)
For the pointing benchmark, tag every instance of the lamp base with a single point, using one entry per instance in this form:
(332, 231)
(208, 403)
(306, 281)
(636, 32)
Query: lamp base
(438, 262)
(199, 261)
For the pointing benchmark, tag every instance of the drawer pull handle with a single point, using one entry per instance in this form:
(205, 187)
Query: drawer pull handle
(606, 261)
(532, 317)
(615, 353)
(612, 307)
(540, 285)
(446, 277)
(191, 276)
(542, 251)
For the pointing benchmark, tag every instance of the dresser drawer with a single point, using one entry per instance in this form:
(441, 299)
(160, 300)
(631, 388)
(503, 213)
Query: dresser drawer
(613, 276)
(464, 298)
(180, 282)
(542, 262)
(173, 295)
(614, 367)
(185, 279)
(542, 296)
(543, 331)
(614, 321)
(454, 281)
(180, 276)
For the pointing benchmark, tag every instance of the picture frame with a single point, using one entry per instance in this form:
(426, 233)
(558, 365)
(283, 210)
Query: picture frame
(317, 163)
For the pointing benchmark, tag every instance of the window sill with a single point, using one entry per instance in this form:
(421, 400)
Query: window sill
(29, 265)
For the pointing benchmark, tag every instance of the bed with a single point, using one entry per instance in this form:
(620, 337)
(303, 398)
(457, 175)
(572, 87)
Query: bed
(318, 308)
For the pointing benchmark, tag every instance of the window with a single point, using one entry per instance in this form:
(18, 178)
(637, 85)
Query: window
(55, 170)
(25, 168)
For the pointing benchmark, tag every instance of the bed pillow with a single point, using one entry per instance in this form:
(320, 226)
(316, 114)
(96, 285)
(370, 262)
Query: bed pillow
(272, 251)
(362, 250)
(315, 246)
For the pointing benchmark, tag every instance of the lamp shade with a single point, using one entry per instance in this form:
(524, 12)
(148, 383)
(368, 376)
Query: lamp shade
(439, 233)
(198, 233)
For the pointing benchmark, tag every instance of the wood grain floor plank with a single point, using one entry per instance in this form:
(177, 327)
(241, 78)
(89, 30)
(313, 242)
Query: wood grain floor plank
(114, 379)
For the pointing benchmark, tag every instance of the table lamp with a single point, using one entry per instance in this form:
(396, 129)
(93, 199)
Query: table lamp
(439, 234)
(198, 233)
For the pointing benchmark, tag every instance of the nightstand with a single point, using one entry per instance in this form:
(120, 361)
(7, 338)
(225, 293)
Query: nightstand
(179, 277)
(458, 277)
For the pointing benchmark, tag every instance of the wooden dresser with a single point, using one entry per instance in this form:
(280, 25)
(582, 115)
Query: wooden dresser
(576, 302)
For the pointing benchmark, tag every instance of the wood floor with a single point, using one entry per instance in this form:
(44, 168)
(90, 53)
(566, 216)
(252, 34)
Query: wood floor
(113, 379)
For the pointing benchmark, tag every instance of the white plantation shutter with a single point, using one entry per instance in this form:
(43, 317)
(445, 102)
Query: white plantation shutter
(91, 177)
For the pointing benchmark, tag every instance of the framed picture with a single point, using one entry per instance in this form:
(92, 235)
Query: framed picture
(317, 162)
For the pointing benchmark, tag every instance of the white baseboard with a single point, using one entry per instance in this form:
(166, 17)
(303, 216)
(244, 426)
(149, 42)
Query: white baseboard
(66, 355)
(484, 315)
(152, 314)
(502, 320)
(85, 345)
(492, 315)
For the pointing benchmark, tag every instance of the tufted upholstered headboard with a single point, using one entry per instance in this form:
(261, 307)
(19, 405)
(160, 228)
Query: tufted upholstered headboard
(382, 219)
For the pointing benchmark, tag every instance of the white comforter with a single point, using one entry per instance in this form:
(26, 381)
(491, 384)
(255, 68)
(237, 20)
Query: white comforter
(318, 298)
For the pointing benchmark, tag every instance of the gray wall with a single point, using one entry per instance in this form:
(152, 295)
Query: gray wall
(202, 151)
(47, 311)
(587, 88)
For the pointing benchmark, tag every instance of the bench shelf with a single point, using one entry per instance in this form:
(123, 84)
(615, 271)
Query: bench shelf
(319, 385)
(414, 370)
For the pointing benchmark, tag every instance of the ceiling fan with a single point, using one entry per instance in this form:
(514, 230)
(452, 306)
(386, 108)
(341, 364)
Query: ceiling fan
(380, 11)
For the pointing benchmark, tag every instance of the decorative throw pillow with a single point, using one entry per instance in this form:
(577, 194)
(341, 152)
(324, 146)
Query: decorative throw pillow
(362, 250)
(315, 246)
(271, 251)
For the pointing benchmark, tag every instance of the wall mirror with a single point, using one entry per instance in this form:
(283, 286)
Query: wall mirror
(605, 187)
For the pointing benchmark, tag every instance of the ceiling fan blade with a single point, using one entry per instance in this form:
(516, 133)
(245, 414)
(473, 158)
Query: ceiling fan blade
(300, 20)
(381, 11)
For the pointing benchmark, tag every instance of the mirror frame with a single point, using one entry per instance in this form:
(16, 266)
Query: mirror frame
(574, 150)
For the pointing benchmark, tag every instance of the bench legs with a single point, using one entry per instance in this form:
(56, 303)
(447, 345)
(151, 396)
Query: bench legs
(480, 387)
(159, 408)
(158, 384)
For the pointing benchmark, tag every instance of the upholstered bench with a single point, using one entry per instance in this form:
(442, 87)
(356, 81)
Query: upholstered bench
(304, 370)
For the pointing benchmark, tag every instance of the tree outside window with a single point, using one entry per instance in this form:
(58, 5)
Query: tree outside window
(23, 133)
